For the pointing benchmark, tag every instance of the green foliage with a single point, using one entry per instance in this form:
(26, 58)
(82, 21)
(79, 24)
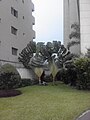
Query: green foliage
(9, 77)
(48, 50)
(54, 53)
(27, 53)
(72, 43)
(36, 61)
(39, 46)
(75, 33)
(48, 78)
(63, 76)
(56, 46)
(25, 82)
(8, 68)
(83, 73)
(64, 57)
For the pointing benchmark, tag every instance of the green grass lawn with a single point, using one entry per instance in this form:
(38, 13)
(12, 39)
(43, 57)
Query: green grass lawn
(59, 102)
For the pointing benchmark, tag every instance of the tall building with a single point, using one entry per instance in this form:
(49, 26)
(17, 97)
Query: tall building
(16, 28)
(77, 11)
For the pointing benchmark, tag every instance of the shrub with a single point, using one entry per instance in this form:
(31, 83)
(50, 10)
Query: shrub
(48, 78)
(68, 76)
(71, 73)
(25, 82)
(9, 77)
(83, 73)
(63, 76)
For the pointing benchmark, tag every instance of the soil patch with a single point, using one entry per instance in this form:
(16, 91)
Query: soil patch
(9, 93)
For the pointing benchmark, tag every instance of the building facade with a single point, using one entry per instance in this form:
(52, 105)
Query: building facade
(77, 11)
(16, 28)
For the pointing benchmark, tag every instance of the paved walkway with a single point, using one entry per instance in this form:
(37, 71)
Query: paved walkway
(85, 116)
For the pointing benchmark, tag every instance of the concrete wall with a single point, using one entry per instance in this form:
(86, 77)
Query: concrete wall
(85, 25)
(66, 31)
(71, 16)
(25, 32)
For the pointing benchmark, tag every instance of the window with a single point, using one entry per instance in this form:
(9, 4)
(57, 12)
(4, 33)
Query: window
(14, 12)
(33, 37)
(23, 17)
(14, 51)
(22, 1)
(13, 30)
(23, 33)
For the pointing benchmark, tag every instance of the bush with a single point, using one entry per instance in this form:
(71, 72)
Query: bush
(48, 78)
(62, 75)
(83, 73)
(68, 76)
(25, 82)
(9, 77)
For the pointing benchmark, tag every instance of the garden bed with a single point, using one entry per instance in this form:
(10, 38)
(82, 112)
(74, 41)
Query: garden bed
(9, 93)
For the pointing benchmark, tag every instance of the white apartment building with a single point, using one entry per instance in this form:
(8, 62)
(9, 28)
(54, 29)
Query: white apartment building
(16, 28)
(77, 11)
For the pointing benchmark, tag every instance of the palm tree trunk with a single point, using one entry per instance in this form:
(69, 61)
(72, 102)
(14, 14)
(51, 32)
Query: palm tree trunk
(39, 81)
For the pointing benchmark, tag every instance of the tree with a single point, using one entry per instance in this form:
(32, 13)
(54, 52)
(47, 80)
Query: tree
(75, 31)
(36, 61)
(56, 55)
(74, 34)
(9, 77)
(45, 51)
(49, 49)
(39, 46)
(56, 46)
(27, 53)
(64, 57)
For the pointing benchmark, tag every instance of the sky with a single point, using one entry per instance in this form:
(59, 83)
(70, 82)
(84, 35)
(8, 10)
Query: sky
(48, 20)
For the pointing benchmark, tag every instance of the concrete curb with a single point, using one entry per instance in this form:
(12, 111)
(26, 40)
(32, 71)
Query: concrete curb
(84, 116)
